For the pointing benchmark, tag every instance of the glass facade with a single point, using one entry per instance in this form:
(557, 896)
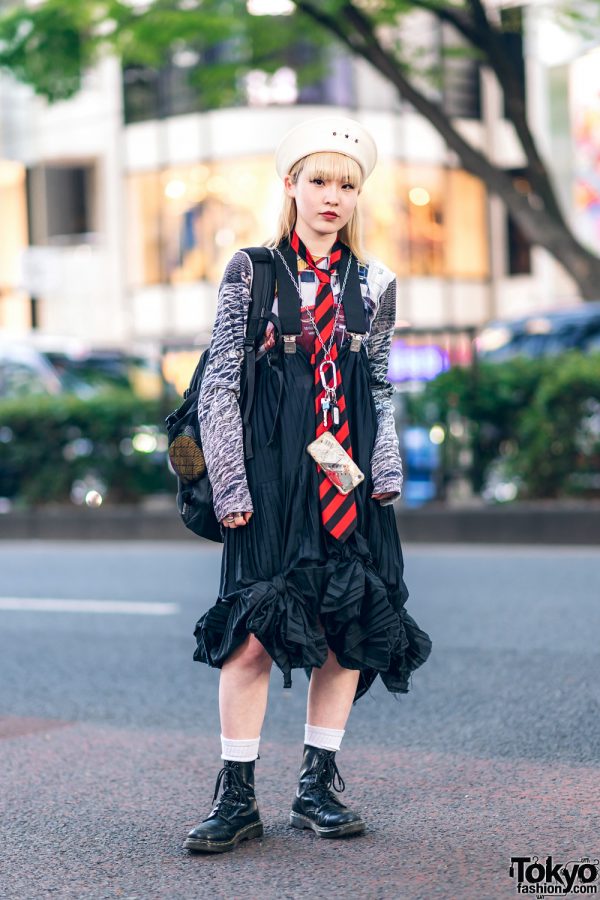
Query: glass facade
(177, 87)
(196, 78)
(61, 202)
(461, 84)
(186, 221)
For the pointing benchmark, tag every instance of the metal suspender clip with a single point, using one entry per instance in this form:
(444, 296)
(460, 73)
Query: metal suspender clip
(289, 343)
(356, 340)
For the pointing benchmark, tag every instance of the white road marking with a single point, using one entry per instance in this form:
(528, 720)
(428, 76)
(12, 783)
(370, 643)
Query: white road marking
(122, 607)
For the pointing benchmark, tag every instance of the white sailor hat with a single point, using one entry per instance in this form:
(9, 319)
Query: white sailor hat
(327, 133)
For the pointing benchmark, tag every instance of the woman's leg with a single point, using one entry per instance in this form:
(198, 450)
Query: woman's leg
(330, 694)
(243, 690)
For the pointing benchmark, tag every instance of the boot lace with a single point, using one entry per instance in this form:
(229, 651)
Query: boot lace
(326, 772)
(233, 787)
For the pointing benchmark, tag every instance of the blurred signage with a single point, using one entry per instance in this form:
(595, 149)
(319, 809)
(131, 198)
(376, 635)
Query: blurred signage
(585, 112)
(416, 362)
(422, 459)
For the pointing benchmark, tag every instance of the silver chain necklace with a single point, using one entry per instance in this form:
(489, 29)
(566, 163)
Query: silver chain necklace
(337, 312)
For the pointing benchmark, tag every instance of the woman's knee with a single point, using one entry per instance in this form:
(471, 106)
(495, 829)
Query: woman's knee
(251, 654)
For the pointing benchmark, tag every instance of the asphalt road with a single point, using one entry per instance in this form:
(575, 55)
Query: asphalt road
(109, 733)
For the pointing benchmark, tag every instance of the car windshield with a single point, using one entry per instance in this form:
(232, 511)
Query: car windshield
(540, 336)
(92, 373)
(89, 371)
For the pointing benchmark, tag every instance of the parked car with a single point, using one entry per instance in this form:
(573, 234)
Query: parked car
(25, 371)
(542, 334)
(55, 365)
(81, 454)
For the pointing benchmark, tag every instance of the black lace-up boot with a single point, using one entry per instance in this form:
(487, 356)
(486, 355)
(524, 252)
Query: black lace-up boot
(234, 817)
(314, 805)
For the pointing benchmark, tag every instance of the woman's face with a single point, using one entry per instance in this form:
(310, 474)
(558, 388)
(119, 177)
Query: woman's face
(323, 206)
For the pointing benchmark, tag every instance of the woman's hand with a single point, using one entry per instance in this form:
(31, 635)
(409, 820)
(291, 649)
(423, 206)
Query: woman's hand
(385, 495)
(235, 519)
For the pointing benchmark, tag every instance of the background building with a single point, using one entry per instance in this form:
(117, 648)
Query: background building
(121, 207)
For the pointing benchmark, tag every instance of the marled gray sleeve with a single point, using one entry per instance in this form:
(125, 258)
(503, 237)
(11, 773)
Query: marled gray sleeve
(386, 464)
(218, 407)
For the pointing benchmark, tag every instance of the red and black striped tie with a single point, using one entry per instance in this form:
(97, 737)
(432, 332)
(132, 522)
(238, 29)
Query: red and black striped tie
(338, 511)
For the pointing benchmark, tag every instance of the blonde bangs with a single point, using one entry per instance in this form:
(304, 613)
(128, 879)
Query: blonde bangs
(330, 167)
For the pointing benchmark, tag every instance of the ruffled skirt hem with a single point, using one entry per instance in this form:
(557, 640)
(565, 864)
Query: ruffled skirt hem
(363, 622)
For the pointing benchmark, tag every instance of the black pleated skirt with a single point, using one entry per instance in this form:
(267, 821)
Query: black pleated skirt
(282, 575)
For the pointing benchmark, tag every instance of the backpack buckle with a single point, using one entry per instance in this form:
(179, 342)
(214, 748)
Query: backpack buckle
(356, 341)
(289, 343)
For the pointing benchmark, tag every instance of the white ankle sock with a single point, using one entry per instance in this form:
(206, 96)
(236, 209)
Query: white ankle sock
(241, 751)
(326, 738)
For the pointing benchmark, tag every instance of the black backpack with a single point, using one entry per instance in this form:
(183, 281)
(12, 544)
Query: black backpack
(194, 490)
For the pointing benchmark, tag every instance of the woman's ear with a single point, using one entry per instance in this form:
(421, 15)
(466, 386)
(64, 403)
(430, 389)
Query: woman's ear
(289, 186)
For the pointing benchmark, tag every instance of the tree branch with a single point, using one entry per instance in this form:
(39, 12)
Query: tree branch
(327, 22)
(482, 34)
(362, 41)
(495, 48)
(452, 16)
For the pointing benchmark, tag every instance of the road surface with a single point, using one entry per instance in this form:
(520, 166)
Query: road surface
(109, 734)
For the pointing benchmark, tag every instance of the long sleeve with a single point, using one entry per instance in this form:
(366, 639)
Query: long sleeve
(386, 463)
(218, 407)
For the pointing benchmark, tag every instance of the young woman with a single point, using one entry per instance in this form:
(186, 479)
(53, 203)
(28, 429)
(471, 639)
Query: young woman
(311, 577)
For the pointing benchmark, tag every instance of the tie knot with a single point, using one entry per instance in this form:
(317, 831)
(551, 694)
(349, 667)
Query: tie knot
(323, 274)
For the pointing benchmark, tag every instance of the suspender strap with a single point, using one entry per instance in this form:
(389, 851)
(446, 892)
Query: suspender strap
(289, 307)
(290, 322)
(354, 307)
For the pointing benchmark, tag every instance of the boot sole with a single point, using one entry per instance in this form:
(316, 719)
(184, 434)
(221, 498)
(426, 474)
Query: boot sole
(299, 821)
(250, 831)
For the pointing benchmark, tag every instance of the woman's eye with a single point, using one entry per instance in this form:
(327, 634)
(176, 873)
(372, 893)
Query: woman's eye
(347, 184)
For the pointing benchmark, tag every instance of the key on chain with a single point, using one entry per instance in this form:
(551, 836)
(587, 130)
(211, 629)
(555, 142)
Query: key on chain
(329, 401)
(334, 406)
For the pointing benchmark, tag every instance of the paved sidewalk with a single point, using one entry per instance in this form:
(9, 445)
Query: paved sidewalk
(100, 812)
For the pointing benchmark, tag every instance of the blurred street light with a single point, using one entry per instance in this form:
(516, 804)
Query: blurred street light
(437, 434)
(419, 196)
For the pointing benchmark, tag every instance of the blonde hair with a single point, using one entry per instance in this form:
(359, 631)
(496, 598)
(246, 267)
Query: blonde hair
(330, 167)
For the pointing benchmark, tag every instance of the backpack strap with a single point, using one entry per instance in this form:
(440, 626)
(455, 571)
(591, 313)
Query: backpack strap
(262, 294)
